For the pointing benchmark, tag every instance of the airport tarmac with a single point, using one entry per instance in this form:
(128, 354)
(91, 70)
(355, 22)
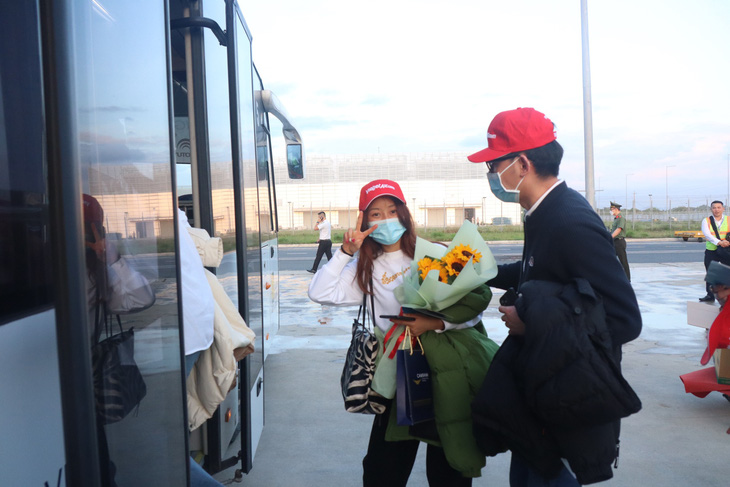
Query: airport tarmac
(677, 440)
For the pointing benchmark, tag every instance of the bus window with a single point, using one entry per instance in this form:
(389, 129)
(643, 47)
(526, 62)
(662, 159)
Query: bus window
(25, 265)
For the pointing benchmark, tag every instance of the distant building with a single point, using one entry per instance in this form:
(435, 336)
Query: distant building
(442, 189)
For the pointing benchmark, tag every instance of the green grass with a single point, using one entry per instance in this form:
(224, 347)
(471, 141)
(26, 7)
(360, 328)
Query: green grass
(488, 232)
(507, 232)
(657, 229)
(494, 233)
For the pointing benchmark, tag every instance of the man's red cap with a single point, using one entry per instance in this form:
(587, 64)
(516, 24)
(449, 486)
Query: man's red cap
(515, 131)
(377, 188)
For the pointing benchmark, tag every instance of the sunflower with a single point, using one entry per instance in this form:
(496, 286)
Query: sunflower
(464, 252)
(454, 263)
(428, 264)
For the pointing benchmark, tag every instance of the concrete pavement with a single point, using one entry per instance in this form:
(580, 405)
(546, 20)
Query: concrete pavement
(677, 440)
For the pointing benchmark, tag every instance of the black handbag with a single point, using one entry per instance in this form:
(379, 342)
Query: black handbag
(357, 374)
(118, 384)
(722, 253)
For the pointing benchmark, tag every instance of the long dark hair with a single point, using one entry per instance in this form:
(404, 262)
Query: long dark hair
(371, 249)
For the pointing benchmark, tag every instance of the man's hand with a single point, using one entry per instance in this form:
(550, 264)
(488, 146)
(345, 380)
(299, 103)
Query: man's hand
(723, 243)
(512, 320)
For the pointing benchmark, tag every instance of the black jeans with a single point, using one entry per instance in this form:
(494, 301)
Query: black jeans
(324, 248)
(389, 463)
(710, 255)
(619, 244)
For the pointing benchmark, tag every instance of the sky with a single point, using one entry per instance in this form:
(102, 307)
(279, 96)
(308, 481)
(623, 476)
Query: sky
(428, 76)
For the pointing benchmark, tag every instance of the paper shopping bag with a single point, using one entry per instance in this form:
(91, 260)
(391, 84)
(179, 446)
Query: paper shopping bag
(414, 397)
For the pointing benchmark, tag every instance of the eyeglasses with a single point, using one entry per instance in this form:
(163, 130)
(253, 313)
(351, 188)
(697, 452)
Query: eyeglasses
(492, 165)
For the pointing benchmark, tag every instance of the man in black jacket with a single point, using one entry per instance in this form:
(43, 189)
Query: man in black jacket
(564, 239)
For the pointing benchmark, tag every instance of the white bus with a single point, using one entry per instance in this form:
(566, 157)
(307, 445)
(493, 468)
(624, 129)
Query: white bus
(143, 106)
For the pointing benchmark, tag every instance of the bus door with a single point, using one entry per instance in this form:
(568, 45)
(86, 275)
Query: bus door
(241, 91)
(216, 178)
(267, 217)
(225, 186)
(121, 107)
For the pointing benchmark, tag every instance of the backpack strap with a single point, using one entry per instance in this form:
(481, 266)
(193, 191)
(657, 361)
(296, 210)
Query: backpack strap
(714, 226)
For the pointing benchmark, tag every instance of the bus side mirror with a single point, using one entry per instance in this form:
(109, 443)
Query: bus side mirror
(295, 161)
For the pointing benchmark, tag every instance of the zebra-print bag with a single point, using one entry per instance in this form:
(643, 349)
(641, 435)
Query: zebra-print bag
(118, 383)
(357, 374)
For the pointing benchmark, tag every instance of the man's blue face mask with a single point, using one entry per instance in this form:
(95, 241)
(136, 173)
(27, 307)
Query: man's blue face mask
(498, 189)
(388, 232)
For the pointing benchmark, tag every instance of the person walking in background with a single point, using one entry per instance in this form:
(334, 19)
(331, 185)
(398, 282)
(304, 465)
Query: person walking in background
(458, 352)
(714, 228)
(325, 240)
(567, 254)
(618, 232)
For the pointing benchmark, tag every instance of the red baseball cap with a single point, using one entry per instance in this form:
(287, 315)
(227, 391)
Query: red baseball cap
(377, 188)
(515, 131)
(92, 209)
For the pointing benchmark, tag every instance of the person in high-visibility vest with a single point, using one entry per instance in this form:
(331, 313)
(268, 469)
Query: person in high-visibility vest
(714, 239)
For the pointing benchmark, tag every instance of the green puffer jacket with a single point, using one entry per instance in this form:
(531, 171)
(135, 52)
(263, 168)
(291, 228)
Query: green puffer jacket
(459, 360)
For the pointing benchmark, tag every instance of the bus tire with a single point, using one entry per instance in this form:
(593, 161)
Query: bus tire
(685, 238)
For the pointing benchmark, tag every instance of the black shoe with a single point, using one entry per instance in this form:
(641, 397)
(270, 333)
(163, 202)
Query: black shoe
(312, 271)
(708, 298)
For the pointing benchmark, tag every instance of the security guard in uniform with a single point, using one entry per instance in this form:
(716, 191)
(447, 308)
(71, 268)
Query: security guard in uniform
(618, 232)
(715, 235)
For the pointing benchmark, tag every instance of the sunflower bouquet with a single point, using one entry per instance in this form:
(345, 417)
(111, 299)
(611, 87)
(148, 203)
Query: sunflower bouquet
(450, 265)
(440, 276)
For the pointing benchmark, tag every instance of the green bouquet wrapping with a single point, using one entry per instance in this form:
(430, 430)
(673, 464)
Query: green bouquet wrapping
(441, 276)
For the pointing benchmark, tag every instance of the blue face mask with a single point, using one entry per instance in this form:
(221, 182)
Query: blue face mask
(388, 232)
(498, 189)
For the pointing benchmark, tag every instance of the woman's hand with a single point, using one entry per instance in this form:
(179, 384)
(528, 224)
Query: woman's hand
(98, 245)
(421, 323)
(353, 239)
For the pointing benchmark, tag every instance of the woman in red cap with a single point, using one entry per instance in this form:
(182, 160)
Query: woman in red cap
(373, 259)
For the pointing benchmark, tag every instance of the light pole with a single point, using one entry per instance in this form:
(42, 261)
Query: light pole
(587, 105)
(666, 182)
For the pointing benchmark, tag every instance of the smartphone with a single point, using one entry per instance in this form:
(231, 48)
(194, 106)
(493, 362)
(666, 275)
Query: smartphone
(509, 297)
(398, 317)
(423, 312)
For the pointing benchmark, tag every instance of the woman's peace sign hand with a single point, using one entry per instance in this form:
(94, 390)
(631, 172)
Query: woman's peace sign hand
(353, 238)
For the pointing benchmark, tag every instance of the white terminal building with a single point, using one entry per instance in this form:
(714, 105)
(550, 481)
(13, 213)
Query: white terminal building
(441, 189)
